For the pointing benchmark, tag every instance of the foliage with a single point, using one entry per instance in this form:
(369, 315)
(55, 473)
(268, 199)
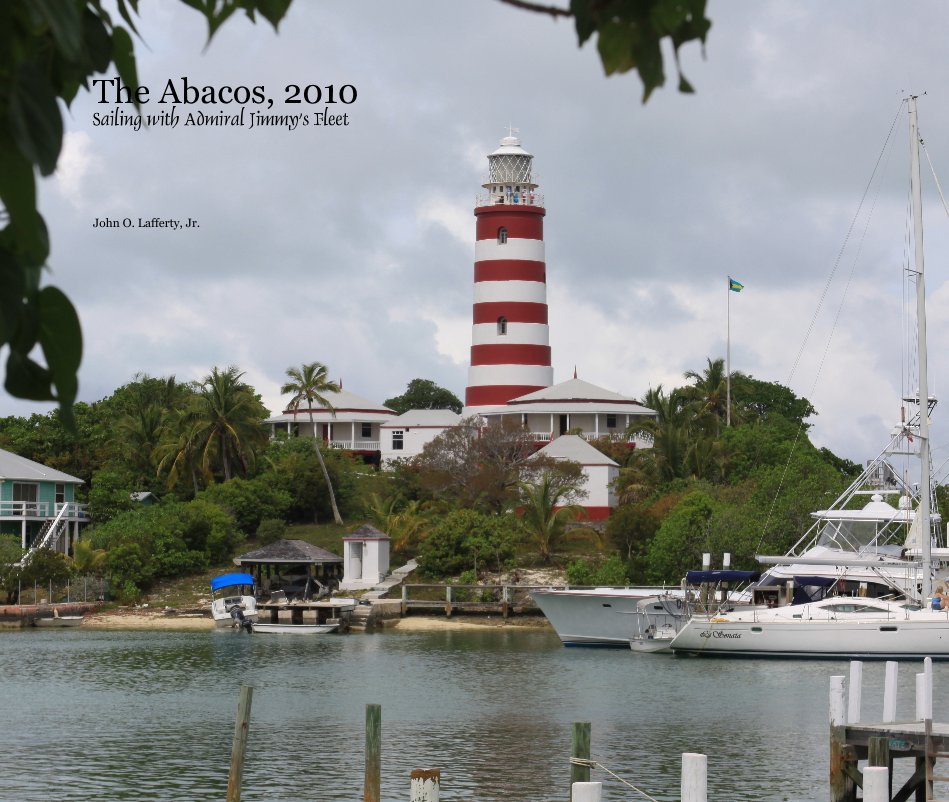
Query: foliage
(46, 566)
(109, 495)
(163, 541)
(681, 538)
(10, 554)
(87, 561)
(310, 383)
(630, 530)
(462, 537)
(629, 34)
(271, 530)
(47, 52)
(424, 394)
(547, 505)
(225, 415)
(248, 501)
(475, 466)
(610, 571)
(405, 522)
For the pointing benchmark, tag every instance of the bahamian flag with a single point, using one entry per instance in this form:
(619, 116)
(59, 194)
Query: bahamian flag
(735, 286)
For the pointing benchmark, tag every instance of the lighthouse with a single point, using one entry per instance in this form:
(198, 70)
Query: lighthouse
(510, 345)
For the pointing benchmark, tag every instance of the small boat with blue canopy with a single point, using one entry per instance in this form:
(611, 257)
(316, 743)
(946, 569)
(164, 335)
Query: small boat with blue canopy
(233, 600)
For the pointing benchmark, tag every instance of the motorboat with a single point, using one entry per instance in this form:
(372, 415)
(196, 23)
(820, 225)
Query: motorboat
(233, 600)
(836, 626)
(661, 617)
(615, 617)
(57, 620)
(294, 629)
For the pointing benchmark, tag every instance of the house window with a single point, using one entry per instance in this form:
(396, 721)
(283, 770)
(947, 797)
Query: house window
(60, 494)
(502, 235)
(398, 439)
(611, 421)
(27, 493)
(366, 431)
(502, 325)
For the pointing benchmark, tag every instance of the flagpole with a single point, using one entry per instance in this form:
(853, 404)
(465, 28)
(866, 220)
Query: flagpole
(728, 354)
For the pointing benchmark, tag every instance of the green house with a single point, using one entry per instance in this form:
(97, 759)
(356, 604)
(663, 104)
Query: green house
(38, 503)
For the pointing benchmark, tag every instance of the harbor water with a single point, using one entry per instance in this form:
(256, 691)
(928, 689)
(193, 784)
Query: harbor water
(150, 716)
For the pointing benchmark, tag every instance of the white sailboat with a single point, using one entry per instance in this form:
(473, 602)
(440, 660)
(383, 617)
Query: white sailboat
(892, 545)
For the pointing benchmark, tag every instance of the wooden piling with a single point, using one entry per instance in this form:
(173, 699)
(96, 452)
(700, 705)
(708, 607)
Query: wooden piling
(889, 692)
(239, 747)
(586, 792)
(694, 786)
(878, 756)
(372, 781)
(425, 785)
(855, 692)
(580, 749)
(842, 786)
(876, 784)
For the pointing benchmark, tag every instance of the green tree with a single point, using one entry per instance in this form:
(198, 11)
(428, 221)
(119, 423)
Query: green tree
(10, 555)
(708, 394)
(547, 506)
(310, 383)
(110, 494)
(248, 501)
(228, 417)
(681, 538)
(424, 394)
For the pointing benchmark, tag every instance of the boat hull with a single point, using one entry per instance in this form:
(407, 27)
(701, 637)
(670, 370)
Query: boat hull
(58, 621)
(925, 635)
(294, 629)
(602, 617)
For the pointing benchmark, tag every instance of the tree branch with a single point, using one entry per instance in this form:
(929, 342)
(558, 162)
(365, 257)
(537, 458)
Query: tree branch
(527, 5)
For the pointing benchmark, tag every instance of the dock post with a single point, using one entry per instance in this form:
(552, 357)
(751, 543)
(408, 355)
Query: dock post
(842, 787)
(889, 692)
(586, 792)
(855, 689)
(405, 600)
(694, 786)
(447, 601)
(878, 756)
(580, 750)
(239, 747)
(425, 785)
(876, 784)
(505, 601)
(373, 753)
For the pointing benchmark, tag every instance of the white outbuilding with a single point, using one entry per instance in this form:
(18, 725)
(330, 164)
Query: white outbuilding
(599, 472)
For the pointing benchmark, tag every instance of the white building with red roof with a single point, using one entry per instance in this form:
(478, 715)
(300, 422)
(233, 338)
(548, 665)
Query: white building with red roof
(599, 473)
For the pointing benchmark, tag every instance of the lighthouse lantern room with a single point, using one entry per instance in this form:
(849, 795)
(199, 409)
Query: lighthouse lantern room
(510, 346)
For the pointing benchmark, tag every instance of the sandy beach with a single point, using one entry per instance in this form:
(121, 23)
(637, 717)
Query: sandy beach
(142, 618)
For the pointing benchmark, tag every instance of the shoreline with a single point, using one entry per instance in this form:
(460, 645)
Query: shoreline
(141, 619)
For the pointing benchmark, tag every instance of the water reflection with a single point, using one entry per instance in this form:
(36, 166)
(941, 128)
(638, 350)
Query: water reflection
(150, 716)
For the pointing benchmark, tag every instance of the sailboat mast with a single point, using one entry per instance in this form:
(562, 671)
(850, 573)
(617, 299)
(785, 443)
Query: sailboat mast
(923, 510)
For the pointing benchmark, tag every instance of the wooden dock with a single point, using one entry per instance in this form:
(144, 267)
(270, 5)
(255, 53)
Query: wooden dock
(503, 600)
(879, 744)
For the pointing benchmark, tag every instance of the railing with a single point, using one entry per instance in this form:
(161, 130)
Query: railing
(504, 599)
(42, 509)
(639, 439)
(355, 445)
(530, 199)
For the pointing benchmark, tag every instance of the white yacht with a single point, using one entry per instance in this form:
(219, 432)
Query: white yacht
(838, 626)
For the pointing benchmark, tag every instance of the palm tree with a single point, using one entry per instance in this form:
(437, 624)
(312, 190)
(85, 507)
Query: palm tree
(227, 417)
(709, 392)
(543, 515)
(309, 383)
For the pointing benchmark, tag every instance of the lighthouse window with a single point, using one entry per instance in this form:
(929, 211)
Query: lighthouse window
(502, 235)
(502, 325)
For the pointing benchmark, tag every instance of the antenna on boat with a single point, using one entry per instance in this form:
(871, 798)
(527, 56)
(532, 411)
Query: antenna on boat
(923, 511)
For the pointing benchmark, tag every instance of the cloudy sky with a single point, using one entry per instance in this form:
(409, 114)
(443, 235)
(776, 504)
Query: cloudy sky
(353, 245)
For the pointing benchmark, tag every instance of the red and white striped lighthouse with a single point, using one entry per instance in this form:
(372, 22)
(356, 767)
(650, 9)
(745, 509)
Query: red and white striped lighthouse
(510, 347)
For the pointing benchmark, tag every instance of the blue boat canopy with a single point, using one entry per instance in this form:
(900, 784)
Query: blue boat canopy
(231, 579)
(698, 577)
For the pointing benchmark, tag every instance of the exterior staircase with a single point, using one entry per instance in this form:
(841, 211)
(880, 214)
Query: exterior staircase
(369, 616)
